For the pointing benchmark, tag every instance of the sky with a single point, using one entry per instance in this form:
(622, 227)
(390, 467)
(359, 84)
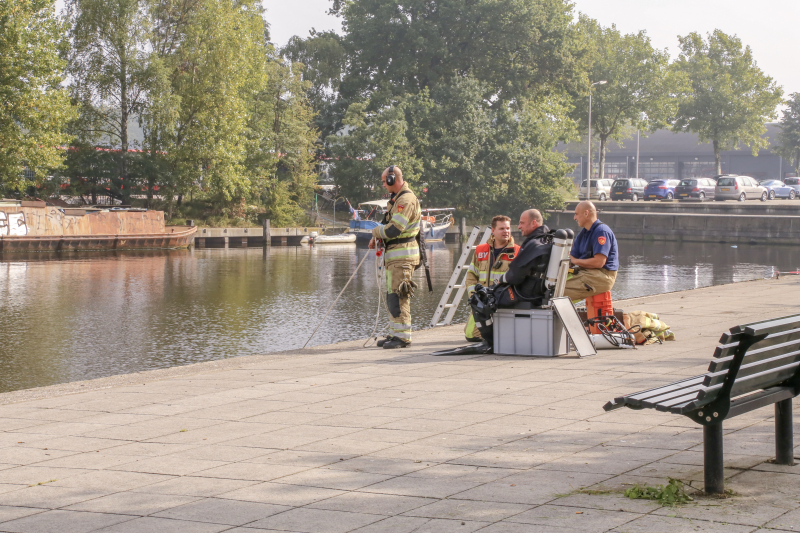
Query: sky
(768, 27)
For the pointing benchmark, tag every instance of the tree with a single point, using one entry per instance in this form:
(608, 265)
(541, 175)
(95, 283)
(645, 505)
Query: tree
(35, 108)
(111, 73)
(323, 60)
(401, 47)
(641, 90)
(788, 142)
(730, 98)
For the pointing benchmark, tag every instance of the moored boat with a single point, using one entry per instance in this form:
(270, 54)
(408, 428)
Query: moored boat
(342, 238)
(33, 226)
(434, 222)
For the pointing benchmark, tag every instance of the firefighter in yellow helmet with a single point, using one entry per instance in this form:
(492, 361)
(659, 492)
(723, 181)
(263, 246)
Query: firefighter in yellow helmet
(398, 233)
(489, 262)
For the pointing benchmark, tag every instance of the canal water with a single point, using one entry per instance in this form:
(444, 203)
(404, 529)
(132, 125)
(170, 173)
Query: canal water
(77, 316)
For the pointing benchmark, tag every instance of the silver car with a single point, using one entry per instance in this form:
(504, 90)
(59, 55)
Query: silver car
(739, 188)
(600, 190)
(794, 183)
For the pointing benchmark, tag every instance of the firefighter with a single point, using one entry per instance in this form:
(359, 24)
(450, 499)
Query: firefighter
(489, 262)
(595, 252)
(398, 233)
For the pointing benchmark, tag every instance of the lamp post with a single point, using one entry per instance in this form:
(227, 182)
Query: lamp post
(589, 154)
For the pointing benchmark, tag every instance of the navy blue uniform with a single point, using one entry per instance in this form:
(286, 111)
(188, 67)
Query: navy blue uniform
(599, 239)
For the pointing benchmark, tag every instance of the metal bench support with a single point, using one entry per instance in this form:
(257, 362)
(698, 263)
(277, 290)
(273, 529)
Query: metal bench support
(784, 441)
(712, 458)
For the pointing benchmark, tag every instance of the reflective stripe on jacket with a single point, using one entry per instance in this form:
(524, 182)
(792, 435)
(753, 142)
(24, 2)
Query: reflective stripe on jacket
(486, 269)
(404, 223)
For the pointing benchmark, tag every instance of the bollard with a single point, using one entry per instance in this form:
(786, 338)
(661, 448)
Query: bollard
(267, 233)
(462, 230)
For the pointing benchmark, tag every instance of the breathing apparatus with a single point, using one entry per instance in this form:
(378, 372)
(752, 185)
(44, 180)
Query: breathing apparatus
(558, 265)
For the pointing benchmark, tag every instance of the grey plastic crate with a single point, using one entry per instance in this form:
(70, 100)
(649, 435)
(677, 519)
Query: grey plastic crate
(536, 332)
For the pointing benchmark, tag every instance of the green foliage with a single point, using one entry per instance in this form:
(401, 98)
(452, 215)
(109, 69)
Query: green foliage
(401, 47)
(34, 108)
(641, 89)
(788, 142)
(671, 494)
(730, 97)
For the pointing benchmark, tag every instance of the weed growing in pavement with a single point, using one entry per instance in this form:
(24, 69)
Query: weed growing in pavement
(671, 494)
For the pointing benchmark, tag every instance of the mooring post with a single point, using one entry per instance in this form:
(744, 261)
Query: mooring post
(462, 230)
(267, 233)
(784, 440)
(712, 459)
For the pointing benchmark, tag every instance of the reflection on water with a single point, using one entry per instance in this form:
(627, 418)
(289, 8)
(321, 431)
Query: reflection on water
(75, 316)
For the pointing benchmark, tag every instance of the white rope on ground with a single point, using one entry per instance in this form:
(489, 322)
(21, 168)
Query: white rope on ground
(337, 298)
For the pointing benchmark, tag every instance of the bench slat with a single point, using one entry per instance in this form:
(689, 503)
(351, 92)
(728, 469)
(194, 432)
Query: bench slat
(764, 398)
(652, 402)
(770, 378)
(756, 366)
(761, 351)
(638, 396)
(667, 406)
(728, 350)
(773, 326)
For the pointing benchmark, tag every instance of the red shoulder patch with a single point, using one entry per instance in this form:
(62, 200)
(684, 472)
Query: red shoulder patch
(400, 207)
(601, 240)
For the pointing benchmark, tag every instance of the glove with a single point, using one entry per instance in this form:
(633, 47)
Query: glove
(406, 288)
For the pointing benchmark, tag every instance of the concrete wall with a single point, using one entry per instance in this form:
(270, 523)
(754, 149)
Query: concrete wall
(731, 228)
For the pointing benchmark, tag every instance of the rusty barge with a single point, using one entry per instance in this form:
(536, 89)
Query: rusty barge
(34, 226)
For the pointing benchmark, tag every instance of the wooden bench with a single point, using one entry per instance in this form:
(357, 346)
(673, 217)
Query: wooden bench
(755, 365)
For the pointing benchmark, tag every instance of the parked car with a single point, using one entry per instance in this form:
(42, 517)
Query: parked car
(794, 183)
(778, 189)
(632, 189)
(599, 190)
(660, 189)
(739, 188)
(695, 188)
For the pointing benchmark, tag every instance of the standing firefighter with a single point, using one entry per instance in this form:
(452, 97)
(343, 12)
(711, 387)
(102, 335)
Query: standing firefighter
(399, 236)
(489, 263)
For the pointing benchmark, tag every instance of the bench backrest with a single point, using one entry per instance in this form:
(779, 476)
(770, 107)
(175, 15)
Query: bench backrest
(753, 357)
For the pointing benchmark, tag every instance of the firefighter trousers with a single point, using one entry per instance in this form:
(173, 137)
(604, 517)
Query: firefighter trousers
(399, 307)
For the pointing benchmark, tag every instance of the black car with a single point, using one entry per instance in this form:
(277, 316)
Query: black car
(631, 188)
(695, 188)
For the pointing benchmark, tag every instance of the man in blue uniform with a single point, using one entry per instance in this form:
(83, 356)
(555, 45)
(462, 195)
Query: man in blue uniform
(594, 251)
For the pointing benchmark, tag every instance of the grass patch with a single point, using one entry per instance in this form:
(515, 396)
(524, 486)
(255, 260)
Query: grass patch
(671, 494)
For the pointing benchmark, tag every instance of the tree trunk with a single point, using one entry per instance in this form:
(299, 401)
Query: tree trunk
(717, 160)
(602, 158)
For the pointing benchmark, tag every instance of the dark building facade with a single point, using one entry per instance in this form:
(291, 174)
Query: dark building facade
(664, 154)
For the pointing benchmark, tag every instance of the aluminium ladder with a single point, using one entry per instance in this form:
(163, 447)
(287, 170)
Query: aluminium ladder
(458, 273)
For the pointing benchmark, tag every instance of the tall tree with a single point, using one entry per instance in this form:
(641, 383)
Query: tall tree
(515, 46)
(111, 73)
(323, 60)
(641, 88)
(34, 109)
(788, 141)
(730, 98)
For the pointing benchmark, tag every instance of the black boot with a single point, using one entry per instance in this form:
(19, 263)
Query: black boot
(395, 343)
(381, 342)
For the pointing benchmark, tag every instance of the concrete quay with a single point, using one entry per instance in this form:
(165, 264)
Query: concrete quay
(341, 439)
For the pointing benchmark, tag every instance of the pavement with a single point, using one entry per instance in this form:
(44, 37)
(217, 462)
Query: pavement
(340, 438)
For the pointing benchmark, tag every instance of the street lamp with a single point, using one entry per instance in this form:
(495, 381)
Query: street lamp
(589, 155)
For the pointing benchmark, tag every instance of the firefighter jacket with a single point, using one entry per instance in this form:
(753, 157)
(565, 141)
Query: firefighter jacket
(487, 269)
(400, 228)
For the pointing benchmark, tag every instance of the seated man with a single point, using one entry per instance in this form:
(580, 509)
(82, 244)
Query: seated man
(523, 283)
(594, 251)
(489, 262)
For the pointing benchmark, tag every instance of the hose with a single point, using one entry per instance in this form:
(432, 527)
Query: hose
(380, 276)
(337, 298)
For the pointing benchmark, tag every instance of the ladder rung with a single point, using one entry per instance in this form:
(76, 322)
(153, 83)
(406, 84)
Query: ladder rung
(449, 305)
(464, 266)
(458, 286)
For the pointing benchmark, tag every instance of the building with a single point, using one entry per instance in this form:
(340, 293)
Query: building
(664, 154)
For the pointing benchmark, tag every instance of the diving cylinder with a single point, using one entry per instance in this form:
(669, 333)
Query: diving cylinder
(601, 342)
(562, 244)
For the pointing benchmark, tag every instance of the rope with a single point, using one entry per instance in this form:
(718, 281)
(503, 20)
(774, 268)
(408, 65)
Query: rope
(380, 275)
(337, 298)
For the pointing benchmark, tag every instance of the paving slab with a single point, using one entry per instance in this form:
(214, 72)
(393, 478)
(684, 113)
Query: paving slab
(339, 438)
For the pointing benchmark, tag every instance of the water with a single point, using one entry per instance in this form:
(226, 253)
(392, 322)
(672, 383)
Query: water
(76, 316)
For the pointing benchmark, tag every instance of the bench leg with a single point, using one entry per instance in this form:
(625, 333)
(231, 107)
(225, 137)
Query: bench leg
(784, 440)
(712, 459)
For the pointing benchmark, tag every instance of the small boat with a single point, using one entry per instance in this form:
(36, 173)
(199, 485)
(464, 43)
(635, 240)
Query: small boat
(316, 238)
(434, 223)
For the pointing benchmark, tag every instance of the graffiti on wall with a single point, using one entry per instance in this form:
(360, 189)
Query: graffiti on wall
(13, 224)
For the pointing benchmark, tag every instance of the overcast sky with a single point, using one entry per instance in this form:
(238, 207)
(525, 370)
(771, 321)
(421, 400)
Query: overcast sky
(768, 27)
